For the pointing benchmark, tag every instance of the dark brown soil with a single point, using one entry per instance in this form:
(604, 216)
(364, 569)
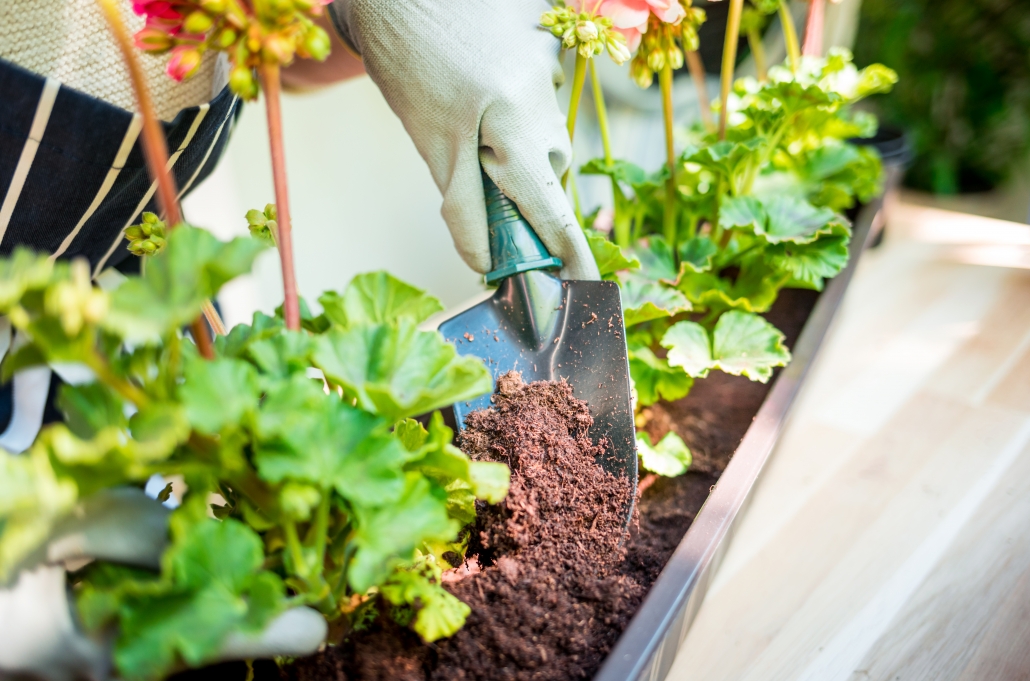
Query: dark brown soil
(557, 589)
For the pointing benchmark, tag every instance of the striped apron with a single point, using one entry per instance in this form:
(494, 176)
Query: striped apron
(72, 178)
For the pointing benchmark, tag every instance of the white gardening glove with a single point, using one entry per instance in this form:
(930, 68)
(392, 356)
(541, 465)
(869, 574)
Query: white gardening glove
(474, 82)
(38, 633)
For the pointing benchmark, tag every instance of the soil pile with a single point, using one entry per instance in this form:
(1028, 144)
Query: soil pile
(548, 600)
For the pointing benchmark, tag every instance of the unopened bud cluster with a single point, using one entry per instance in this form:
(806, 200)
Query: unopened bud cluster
(252, 33)
(148, 237)
(588, 34)
(663, 44)
(263, 225)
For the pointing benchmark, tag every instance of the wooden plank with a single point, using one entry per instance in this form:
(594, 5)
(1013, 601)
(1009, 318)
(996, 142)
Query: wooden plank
(889, 537)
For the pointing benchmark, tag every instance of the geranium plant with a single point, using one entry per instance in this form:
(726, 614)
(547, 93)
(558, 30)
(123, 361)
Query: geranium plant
(702, 246)
(301, 428)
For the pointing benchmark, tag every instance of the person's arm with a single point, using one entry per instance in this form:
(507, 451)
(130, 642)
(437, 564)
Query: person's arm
(308, 74)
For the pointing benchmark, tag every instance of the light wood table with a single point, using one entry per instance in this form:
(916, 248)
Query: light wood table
(889, 538)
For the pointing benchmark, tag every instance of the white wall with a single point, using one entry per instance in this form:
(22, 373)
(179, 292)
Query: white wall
(361, 197)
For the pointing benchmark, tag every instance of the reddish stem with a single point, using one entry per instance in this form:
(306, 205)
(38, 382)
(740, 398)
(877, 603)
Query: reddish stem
(155, 149)
(269, 74)
(648, 480)
(814, 29)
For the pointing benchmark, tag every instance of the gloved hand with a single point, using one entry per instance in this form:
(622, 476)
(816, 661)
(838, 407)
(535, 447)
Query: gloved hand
(38, 635)
(474, 82)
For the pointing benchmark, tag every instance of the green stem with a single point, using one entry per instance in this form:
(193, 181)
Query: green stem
(576, 208)
(729, 62)
(126, 389)
(669, 219)
(790, 36)
(322, 526)
(578, 78)
(602, 114)
(754, 40)
(296, 551)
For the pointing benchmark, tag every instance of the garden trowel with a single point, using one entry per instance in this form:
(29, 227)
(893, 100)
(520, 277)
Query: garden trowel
(548, 329)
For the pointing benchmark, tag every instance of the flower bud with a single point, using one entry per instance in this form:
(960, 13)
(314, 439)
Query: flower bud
(226, 37)
(656, 60)
(586, 31)
(617, 50)
(215, 7)
(241, 81)
(277, 49)
(134, 233)
(198, 22)
(316, 44)
(151, 218)
(675, 57)
(153, 40)
(184, 62)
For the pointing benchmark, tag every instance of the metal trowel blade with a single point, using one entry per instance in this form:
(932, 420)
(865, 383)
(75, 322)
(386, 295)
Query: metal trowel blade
(549, 329)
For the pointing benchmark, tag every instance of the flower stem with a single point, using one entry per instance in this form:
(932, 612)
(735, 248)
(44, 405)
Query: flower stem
(602, 114)
(697, 74)
(270, 84)
(669, 218)
(754, 40)
(729, 62)
(98, 364)
(790, 36)
(814, 29)
(578, 78)
(155, 146)
(198, 329)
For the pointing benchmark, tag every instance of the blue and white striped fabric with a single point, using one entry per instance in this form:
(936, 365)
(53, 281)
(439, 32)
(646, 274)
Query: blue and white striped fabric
(72, 178)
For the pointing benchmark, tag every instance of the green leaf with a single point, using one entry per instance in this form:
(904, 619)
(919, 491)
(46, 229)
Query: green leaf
(490, 480)
(32, 498)
(412, 434)
(874, 79)
(90, 407)
(378, 298)
(741, 344)
(24, 270)
(670, 457)
(794, 220)
(609, 257)
(697, 254)
(211, 585)
(387, 536)
(657, 261)
(177, 281)
(726, 158)
(308, 436)
(218, 393)
(811, 264)
(241, 336)
(742, 211)
(654, 379)
(644, 300)
(158, 428)
(282, 355)
(399, 371)
(439, 614)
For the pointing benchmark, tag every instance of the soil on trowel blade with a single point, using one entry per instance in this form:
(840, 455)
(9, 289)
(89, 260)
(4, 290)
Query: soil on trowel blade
(548, 599)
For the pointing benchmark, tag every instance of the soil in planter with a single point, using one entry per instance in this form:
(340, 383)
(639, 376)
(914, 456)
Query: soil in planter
(553, 596)
(548, 599)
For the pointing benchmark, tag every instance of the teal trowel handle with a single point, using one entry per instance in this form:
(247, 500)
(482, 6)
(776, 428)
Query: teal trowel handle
(514, 246)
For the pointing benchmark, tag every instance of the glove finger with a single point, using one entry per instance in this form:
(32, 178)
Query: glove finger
(123, 525)
(295, 633)
(529, 175)
(465, 212)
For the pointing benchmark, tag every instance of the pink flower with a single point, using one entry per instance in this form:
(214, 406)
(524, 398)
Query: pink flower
(629, 17)
(184, 62)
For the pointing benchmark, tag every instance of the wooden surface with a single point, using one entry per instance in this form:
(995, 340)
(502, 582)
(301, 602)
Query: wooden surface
(889, 538)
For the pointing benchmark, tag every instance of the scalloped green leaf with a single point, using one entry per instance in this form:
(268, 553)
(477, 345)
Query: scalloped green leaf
(399, 371)
(378, 298)
(644, 300)
(654, 379)
(670, 457)
(741, 344)
(608, 256)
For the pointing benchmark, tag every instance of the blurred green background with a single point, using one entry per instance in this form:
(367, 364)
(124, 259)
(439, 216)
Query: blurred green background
(964, 90)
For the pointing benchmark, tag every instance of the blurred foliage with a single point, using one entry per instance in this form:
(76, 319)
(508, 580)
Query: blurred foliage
(964, 85)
